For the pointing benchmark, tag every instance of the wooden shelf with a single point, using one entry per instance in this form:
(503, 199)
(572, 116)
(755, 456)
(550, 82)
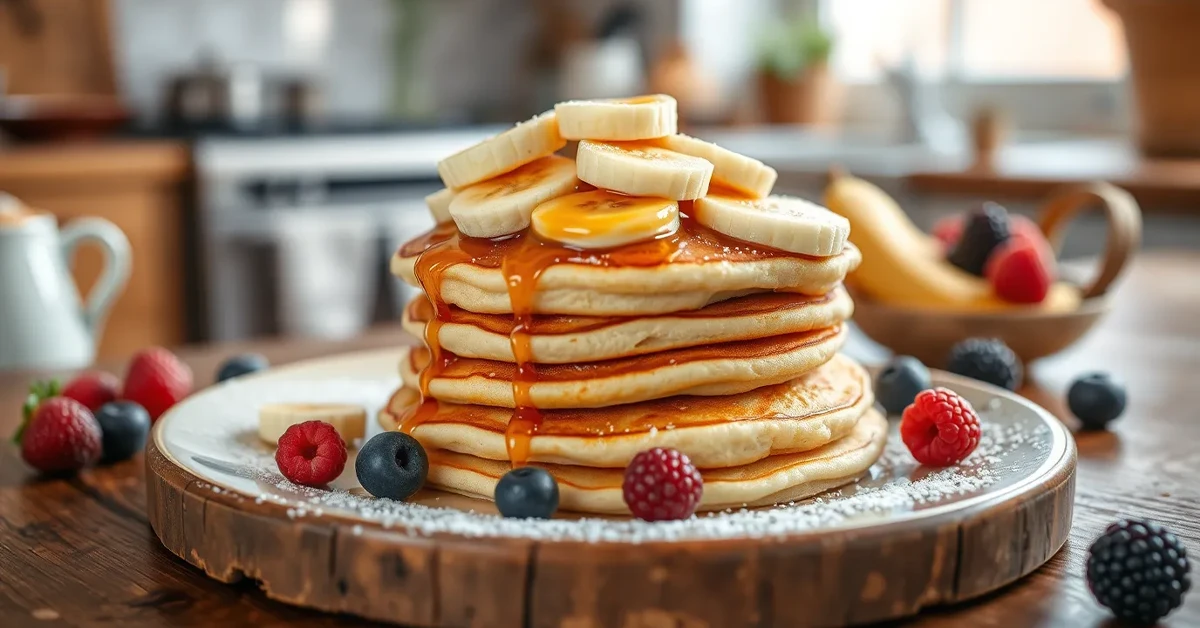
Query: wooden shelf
(1032, 172)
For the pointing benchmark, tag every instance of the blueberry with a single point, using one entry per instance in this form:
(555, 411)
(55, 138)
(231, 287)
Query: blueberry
(392, 465)
(899, 382)
(527, 493)
(987, 360)
(240, 365)
(124, 426)
(985, 229)
(1096, 399)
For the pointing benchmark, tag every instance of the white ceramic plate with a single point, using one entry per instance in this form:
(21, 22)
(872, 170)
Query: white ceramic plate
(213, 435)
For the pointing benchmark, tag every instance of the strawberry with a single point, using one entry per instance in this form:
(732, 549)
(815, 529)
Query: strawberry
(93, 389)
(1019, 270)
(59, 433)
(157, 380)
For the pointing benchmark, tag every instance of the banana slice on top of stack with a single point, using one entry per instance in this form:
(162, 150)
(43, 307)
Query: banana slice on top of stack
(632, 178)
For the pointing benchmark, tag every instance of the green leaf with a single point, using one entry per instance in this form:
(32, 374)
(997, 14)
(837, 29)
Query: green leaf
(38, 392)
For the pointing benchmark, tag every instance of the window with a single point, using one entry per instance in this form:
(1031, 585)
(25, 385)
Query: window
(978, 40)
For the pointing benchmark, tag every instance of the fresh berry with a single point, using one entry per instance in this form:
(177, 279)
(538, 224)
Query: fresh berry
(662, 485)
(984, 230)
(240, 365)
(1019, 272)
(940, 428)
(1096, 400)
(93, 389)
(58, 434)
(899, 382)
(1139, 570)
(949, 229)
(392, 465)
(527, 493)
(157, 380)
(311, 453)
(987, 360)
(124, 426)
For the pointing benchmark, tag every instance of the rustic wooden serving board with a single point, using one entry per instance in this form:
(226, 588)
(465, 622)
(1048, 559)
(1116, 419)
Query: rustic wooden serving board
(853, 571)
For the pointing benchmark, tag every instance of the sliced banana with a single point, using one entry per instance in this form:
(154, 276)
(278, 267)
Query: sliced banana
(743, 174)
(618, 119)
(643, 169)
(780, 222)
(439, 205)
(502, 205)
(602, 220)
(274, 419)
(525, 142)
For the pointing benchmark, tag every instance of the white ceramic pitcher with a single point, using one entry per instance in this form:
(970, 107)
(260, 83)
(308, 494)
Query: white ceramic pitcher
(43, 324)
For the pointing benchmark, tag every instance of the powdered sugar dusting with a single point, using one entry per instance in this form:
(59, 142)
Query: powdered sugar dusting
(1015, 442)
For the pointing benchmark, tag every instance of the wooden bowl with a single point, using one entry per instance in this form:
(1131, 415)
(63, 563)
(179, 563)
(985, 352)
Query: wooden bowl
(60, 117)
(928, 334)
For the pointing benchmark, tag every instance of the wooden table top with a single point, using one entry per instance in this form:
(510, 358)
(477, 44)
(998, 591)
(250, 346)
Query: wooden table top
(79, 551)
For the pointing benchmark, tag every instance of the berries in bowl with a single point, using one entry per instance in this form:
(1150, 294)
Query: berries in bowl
(984, 273)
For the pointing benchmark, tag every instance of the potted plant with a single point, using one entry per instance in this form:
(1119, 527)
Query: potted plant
(793, 74)
(1164, 70)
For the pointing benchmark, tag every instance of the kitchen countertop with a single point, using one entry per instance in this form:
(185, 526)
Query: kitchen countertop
(79, 551)
(51, 163)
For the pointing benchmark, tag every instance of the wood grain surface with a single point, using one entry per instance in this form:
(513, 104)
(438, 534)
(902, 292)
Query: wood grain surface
(80, 551)
(857, 576)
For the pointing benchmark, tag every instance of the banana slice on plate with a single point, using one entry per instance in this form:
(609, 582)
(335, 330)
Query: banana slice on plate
(780, 222)
(439, 205)
(618, 119)
(643, 169)
(738, 172)
(602, 220)
(525, 142)
(274, 419)
(502, 205)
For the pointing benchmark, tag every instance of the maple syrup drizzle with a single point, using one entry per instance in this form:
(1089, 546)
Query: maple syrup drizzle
(430, 269)
(522, 259)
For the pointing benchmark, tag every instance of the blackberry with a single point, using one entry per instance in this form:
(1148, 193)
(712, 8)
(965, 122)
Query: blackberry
(987, 360)
(1138, 570)
(986, 228)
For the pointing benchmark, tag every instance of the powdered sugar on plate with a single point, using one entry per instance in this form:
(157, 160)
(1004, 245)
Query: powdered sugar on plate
(214, 438)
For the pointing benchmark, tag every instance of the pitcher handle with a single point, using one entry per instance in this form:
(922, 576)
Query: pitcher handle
(117, 265)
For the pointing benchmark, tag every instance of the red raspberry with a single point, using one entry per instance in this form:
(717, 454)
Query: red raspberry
(1021, 270)
(948, 230)
(940, 428)
(311, 453)
(157, 380)
(93, 389)
(60, 435)
(662, 485)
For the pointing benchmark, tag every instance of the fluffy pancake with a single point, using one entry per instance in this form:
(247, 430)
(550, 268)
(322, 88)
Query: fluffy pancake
(686, 271)
(568, 339)
(802, 414)
(722, 369)
(772, 480)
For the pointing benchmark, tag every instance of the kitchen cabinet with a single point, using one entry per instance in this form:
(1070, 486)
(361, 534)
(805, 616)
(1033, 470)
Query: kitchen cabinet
(139, 186)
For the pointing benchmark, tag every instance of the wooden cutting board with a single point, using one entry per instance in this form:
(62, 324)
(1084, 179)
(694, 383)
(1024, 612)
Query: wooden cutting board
(56, 47)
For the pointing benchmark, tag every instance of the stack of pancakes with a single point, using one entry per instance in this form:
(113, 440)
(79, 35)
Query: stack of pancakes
(577, 360)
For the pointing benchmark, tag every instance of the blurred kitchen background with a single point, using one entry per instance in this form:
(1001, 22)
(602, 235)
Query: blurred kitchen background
(264, 157)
